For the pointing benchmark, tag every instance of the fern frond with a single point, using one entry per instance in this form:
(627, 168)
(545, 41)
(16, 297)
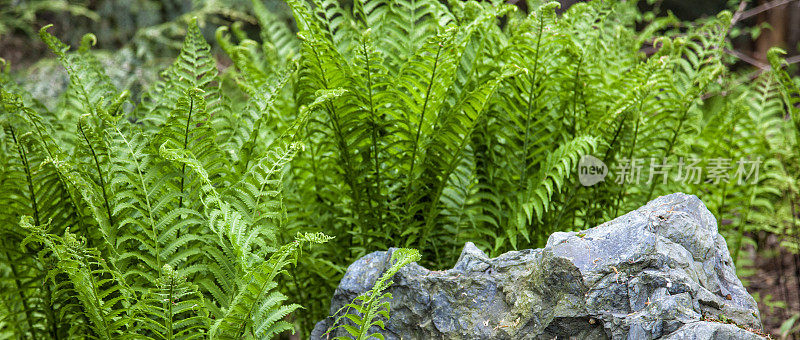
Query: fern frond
(374, 302)
(98, 287)
(90, 83)
(452, 135)
(789, 89)
(279, 42)
(407, 25)
(174, 309)
(150, 212)
(256, 297)
(188, 128)
(194, 68)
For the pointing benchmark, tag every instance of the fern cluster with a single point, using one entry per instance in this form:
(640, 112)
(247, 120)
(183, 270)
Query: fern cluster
(466, 121)
(409, 123)
(148, 224)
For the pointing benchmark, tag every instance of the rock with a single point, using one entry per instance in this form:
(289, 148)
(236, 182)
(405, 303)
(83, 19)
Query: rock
(662, 271)
(47, 80)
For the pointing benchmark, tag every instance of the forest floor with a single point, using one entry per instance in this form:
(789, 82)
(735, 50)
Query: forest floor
(776, 275)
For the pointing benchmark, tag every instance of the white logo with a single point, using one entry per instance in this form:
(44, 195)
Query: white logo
(591, 170)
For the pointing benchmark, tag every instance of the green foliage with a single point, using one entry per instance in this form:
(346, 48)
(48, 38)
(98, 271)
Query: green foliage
(165, 239)
(174, 308)
(788, 327)
(257, 306)
(785, 222)
(466, 122)
(97, 287)
(373, 303)
(385, 123)
(21, 15)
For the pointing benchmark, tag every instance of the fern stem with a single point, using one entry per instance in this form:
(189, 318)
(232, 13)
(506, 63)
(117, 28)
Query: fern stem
(363, 331)
(303, 297)
(24, 158)
(687, 103)
(630, 158)
(61, 178)
(51, 315)
(792, 197)
(721, 205)
(341, 143)
(576, 82)
(421, 122)
(18, 284)
(457, 235)
(606, 155)
(183, 167)
(524, 165)
(99, 308)
(374, 138)
(314, 170)
(147, 200)
(273, 169)
(99, 175)
(432, 213)
(169, 306)
(570, 196)
(261, 289)
(670, 146)
(740, 229)
(344, 153)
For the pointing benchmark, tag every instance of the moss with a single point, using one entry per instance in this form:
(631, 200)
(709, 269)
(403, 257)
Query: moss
(721, 318)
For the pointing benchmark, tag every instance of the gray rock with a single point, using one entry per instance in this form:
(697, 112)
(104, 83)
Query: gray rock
(662, 271)
(47, 80)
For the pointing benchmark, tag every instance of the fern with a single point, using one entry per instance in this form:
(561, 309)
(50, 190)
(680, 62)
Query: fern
(258, 307)
(416, 122)
(97, 286)
(789, 89)
(152, 190)
(174, 309)
(194, 68)
(374, 303)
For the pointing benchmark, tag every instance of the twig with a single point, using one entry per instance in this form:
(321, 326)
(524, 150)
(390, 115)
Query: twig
(750, 77)
(748, 59)
(738, 14)
(759, 9)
